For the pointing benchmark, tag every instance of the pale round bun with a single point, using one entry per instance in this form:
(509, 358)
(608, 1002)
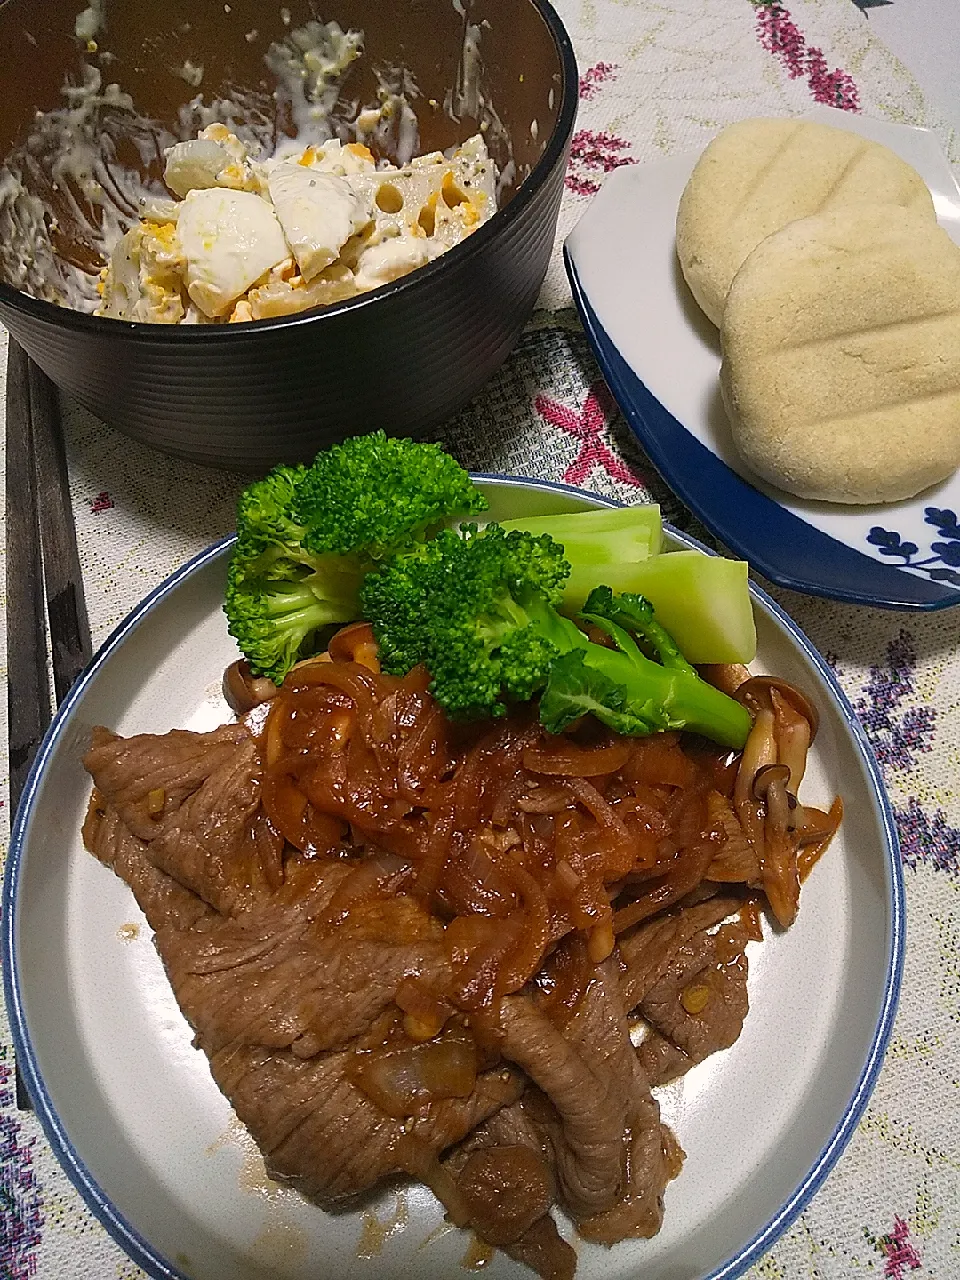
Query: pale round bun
(841, 356)
(758, 175)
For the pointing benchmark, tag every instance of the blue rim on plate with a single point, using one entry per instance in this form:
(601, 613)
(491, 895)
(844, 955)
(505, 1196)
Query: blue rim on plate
(138, 1248)
(733, 510)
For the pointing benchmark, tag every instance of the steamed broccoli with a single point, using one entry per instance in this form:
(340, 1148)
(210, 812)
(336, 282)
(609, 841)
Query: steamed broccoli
(636, 614)
(478, 609)
(600, 545)
(306, 536)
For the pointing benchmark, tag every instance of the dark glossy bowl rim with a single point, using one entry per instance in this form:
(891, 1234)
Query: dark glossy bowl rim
(473, 245)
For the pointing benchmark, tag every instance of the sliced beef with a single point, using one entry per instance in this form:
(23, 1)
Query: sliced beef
(653, 1159)
(544, 1250)
(599, 1026)
(161, 899)
(314, 1126)
(697, 1006)
(662, 1060)
(505, 1189)
(646, 952)
(527, 1123)
(194, 797)
(341, 985)
(320, 1133)
(210, 842)
(167, 767)
(269, 977)
(590, 1103)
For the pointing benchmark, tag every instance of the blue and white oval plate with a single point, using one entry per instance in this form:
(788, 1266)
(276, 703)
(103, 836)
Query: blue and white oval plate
(153, 1146)
(661, 358)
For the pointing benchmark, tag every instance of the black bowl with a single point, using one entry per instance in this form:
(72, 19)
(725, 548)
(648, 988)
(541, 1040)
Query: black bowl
(403, 357)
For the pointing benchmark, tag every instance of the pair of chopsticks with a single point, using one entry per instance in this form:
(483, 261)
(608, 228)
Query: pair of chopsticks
(44, 584)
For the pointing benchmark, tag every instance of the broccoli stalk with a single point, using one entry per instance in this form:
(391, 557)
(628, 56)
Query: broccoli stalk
(478, 609)
(703, 601)
(663, 694)
(600, 545)
(306, 537)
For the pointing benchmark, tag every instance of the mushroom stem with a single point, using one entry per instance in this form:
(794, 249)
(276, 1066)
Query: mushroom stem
(793, 738)
(781, 880)
(243, 690)
(759, 751)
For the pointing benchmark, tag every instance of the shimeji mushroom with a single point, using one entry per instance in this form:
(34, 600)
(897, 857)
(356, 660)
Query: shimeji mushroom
(771, 769)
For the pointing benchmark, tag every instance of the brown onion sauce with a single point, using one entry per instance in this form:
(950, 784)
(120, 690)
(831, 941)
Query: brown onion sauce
(492, 841)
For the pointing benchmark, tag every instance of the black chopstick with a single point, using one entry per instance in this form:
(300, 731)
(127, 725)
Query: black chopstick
(28, 687)
(63, 582)
(43, 567)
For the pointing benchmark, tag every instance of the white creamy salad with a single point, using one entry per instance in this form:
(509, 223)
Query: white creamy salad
(249, 239)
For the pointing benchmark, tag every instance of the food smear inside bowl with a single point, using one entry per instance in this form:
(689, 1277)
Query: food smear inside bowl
(249, 239)
(257, 201)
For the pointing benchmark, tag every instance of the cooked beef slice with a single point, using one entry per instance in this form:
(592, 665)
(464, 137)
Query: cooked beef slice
(315, 1128)
(171, 766)
(646, 952)
(653, 1159)
(195, 799)
(268, 977)
(590, 1102)
(320, 1133)
(526, 1122)
(544, 1250)
(710, 966)
(209, 843)
(523, 1123)
(162, 900)
(505, 1189)
(662, 1060)
(599, 1027)
(307, 993)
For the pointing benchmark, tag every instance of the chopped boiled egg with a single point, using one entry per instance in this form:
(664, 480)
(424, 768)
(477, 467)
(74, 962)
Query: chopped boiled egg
(381, 263)
(142, 281)
(229, 239)
(318, 212)
(193, 166)
(335, 157)
(304, 228)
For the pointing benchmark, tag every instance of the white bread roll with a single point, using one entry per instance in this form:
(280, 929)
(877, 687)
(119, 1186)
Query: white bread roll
(760, 174)
(841, 356)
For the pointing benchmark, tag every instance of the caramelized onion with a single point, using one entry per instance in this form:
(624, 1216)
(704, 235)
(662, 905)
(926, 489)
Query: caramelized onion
(507, 839)
(355, 643)
(569, 760)
(401, 1081)
(816, 838)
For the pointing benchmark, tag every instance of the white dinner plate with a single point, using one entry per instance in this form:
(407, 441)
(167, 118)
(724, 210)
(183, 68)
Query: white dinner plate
(132, 1112)
(661, 358)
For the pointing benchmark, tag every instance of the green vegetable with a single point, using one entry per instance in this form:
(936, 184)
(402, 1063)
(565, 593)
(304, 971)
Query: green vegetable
(598, 544)
(478, 609)
(306, 536)
(703, 601)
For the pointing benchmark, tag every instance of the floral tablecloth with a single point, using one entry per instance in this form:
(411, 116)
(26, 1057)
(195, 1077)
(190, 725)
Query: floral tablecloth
(658, 76)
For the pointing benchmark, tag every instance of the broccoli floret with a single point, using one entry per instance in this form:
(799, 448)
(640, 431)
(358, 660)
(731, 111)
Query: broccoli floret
(478, 609)
(272, 620)
(306, 537)
(374, 492)
(636, 614)
(463, 604)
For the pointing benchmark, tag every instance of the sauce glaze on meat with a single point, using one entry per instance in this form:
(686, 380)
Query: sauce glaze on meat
(461, 953)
